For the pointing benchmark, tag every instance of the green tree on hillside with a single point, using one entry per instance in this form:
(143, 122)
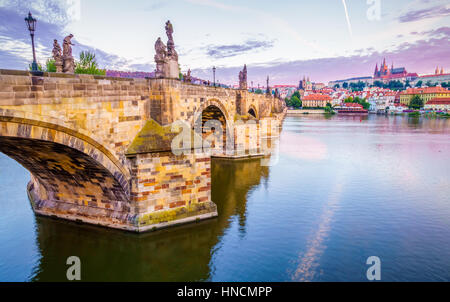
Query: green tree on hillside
(378, 83)
(296, 102)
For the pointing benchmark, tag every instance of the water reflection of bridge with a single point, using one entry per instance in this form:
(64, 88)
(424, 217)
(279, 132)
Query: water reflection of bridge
(177, 254)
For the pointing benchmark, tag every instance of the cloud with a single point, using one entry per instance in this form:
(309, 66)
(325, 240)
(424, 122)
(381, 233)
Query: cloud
(156, 6)
(421, 56)
(15, 43)
(439, 32)
(59, 12)
(225, 51)
(433, 12)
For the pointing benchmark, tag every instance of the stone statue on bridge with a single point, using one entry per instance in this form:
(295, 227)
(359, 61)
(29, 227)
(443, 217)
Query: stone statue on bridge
(68, 61)
(277, 93)
(243, 78)
(166, 59)
(188, 77)
(160, 57)
(57, 56)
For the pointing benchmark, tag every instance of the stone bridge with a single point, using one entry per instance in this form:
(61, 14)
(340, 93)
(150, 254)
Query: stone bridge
(99, 148)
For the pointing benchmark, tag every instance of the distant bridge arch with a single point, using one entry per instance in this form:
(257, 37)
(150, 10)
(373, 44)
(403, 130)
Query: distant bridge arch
(252, 111)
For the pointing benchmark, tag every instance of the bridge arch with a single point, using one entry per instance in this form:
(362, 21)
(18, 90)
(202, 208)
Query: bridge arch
(213, 109)
(252, 111)
(71, 173)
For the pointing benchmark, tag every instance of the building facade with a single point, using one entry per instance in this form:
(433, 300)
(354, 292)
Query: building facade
(316, 100)
(427, 94)
(438, 104)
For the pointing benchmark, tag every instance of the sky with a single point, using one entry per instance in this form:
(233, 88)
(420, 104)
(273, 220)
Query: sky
(285, 40)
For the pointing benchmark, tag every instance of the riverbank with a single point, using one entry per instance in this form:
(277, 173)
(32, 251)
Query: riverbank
(297, 112)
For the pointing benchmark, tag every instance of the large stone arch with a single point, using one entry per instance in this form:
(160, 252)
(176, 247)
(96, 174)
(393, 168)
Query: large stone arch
(73, 176)
(217, 103)
(87, 142)
(227, 123)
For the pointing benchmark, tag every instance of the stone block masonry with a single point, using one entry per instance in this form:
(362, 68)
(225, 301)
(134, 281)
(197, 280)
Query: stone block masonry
(98, 148)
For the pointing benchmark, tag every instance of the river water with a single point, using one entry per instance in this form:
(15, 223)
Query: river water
(339, 190)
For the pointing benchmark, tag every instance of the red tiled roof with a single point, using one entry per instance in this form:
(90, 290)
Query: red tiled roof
(317, 97)
(436, 89)
(353, 105)
(439, 101)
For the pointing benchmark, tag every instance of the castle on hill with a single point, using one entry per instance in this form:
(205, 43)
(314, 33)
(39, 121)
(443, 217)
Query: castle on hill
(389, 74)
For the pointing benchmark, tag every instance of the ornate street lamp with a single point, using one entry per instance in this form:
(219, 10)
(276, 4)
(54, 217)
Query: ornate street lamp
(31, 23)
(214, 75)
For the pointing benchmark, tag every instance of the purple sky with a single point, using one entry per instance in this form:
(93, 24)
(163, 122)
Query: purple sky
(284, 39)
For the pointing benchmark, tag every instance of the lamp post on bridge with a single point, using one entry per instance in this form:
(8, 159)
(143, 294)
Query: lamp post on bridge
(214, 75)
(31, 24)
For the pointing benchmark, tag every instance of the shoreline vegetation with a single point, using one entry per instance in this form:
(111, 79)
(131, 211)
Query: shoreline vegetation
(87, 64)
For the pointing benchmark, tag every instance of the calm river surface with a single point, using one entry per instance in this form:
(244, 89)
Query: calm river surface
(341, 190)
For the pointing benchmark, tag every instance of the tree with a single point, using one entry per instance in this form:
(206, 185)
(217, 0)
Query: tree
(429, 84)
(407, 84)
(416, 102)
(345, 85)
(395, 85)
(50, 65)
(378, 83)
(337, 86)
(419, 83)
(88, 64)
(329, 108)
(296, 102)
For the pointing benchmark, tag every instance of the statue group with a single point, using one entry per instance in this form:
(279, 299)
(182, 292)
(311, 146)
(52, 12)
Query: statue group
(166, 58)
(64, 61)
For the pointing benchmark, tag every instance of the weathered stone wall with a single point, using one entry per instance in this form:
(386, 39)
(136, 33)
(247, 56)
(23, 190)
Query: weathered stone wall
(174, 100)
(96, 155)
(109, 110)
(167, 188)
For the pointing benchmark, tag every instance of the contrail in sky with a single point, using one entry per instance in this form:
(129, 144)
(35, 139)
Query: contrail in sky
(348, 19)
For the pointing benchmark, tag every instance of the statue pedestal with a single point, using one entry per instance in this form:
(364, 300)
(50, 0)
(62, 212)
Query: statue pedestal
(68, 65)
(59, 65)
(171, 70)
